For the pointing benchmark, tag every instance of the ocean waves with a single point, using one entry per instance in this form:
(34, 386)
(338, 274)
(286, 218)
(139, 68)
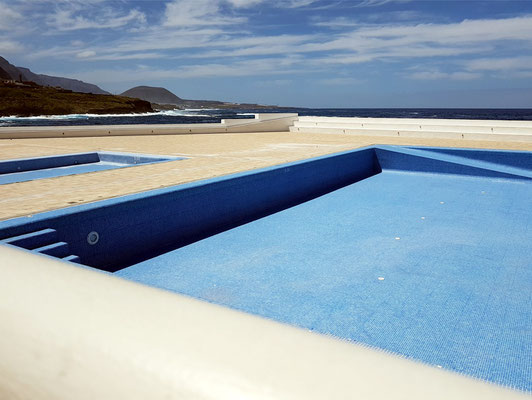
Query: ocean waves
(192, 116)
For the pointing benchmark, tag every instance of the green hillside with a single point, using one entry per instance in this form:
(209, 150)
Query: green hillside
(29, 99)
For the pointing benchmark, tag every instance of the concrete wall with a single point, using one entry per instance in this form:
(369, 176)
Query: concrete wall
(418, 128)
(275, 122)
(261, 123)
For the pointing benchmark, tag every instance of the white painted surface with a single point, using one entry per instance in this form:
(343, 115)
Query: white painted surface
(73, 333)
(418, 128)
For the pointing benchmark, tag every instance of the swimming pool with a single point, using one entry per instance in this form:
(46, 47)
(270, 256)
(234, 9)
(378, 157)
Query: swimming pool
(29, 169)
(422, 252)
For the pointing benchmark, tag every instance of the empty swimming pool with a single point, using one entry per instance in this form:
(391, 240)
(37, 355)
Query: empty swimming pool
(29, 169)
(418, 251)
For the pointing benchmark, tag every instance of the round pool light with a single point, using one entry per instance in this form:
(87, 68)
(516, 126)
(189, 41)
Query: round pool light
(93, 237)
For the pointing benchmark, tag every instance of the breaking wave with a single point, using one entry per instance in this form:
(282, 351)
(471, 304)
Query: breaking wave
(66, 117)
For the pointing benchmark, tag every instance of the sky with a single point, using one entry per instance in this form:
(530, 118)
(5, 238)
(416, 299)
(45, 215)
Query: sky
(328, 54)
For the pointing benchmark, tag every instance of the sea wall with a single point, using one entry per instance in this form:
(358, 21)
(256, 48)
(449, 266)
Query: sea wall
(273, 122)
(454, 129)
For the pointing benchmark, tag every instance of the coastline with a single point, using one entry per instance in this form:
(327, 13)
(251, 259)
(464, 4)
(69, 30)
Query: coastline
(214, 115)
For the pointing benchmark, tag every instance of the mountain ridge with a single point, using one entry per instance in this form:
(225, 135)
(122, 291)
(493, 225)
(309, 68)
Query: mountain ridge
(25, 74)
(75, 85)
(159, 97)
(4, 74)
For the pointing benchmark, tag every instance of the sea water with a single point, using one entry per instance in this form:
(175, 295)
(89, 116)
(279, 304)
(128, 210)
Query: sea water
(216, 115)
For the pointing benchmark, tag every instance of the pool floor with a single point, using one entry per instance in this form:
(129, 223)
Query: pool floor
(433, 267)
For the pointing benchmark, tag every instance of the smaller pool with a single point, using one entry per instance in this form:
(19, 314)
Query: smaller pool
(28, 169)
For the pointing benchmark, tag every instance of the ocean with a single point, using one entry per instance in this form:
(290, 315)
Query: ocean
(215, 115)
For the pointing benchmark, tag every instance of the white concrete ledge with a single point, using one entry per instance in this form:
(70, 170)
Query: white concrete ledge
(418, 128)
(73, 333)
(274, 122)
(418, 121)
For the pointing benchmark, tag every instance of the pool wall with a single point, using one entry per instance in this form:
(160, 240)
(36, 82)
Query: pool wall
(133, 228)
(32, 164)
(486, 163)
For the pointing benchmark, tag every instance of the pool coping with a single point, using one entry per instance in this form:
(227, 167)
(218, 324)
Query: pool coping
(95, 315)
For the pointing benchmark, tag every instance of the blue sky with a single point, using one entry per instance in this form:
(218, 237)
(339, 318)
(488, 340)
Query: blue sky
(343, 53)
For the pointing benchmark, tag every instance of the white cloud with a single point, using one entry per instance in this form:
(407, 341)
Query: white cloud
(187, 13)
(86, 54)
(295, 3)
(9, 17)
(70, 19)
(244, 3)
(500, 64)
(219, 36)
(10, 47)
(340, 81)
(275, 3)
(374, 3)
(438, 75)
(465, 32)
(91, 55)
(258, 67)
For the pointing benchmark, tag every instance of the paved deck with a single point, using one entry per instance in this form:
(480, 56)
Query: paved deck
(209, 155)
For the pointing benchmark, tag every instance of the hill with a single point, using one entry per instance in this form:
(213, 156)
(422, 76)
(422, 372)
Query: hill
(36, 103)
(24, 74)
(163, 99)
(157, 95)
(66, 83)
(30, 99)
(11, 70)
(4, 74)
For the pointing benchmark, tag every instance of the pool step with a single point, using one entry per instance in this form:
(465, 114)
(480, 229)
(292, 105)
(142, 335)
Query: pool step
(32, 240)
(72, 258)
(59, 249)
(44, 241)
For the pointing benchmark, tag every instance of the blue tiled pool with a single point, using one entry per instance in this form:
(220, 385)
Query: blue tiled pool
(422, 252)
(28, 169)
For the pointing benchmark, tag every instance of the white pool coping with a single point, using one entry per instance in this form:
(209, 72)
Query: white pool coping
(76, 333)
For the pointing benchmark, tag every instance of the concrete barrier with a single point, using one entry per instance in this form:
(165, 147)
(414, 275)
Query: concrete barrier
(273, 122)
(73, 333)
(418, 128)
